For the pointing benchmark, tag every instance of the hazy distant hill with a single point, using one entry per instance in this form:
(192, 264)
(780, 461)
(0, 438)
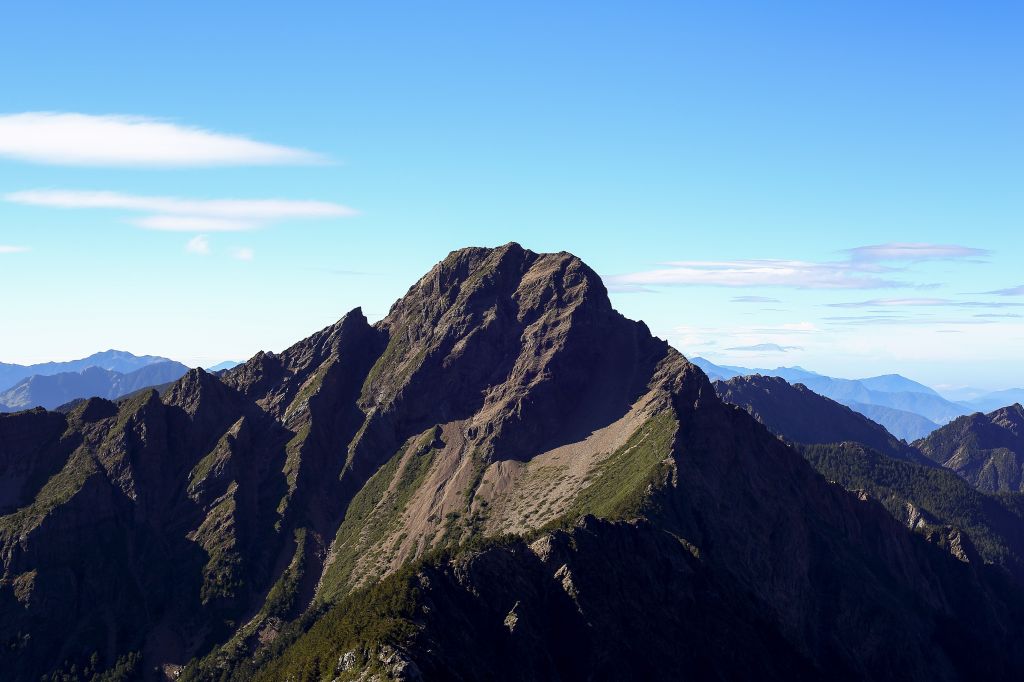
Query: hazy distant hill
(52, 391)
(891, 391)
(906, 425)
(113, 360)
(995, 400)
(222, 366)
(896, 383)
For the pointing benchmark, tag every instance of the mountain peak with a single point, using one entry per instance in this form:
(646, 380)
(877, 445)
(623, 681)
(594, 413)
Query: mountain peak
(504, 329)
(194, 389)
(474, 273)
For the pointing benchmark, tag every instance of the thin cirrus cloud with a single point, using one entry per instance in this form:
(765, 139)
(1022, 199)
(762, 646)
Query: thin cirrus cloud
(186, 215)
(754, 299)
(1012, 291)
(873, 321)
(74, 139)
(757, 273)
(922, 302)
(5, 248)
(765, 348)
(865, 267)
(914, 251)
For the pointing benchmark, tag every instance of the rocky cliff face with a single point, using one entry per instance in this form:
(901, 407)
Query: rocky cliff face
(275, 519)
(986, 449)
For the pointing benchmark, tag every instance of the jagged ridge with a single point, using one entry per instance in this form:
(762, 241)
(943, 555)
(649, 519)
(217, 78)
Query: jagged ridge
(502, 395)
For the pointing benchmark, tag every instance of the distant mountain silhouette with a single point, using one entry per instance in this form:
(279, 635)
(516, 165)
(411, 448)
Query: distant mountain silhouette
(995, 400)
(113, 360)
(222, 366)
(52, 391)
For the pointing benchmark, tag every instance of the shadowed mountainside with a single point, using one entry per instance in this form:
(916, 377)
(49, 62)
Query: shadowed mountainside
(800, 415)
(861, 456)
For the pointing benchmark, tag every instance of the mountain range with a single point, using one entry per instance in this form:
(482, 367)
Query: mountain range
(906, 408)
(993, 401)
(53, 390)
(112, 360)
(800, 415)
(505, 479)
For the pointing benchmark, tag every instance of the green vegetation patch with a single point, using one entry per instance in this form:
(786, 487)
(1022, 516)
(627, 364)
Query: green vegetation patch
(61, 487)
(376, 509)
(362, 622)
(309, 389)
(281, 598)
(620, 483)
(220, 454)
(222, 573)
(292, 462)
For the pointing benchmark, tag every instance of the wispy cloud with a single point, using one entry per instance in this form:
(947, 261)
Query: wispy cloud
(898, 320)
(200, 245)
(864, 268)
(922, 302)
(186, 215)
(244, 254)
(615, 287)
(73, 139)
(4, 248)
(758, 273)
(754, 299)
(913, 252)
(765, 348)
(1012, 291)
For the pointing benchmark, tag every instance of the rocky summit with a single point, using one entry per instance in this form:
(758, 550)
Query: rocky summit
(502, 479)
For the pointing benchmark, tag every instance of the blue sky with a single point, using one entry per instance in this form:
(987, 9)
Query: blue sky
(667, 144)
